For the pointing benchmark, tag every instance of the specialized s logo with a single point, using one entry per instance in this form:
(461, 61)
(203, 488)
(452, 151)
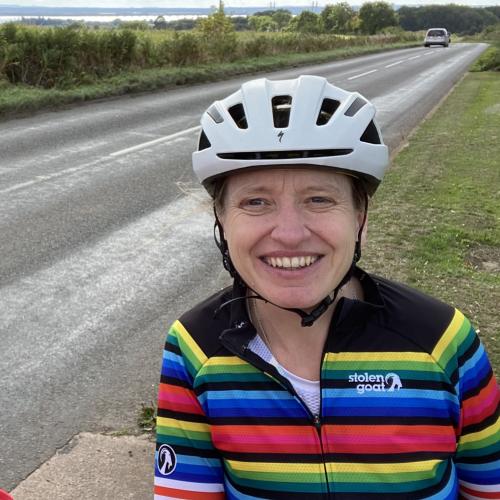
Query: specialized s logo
(371, 382)
(281, 135)
(166, 460)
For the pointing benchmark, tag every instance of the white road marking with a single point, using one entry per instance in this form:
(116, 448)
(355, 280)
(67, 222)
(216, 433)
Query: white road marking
(414, 57)
(362, 74)
(394, 64)
(44, 178)
(144, 145)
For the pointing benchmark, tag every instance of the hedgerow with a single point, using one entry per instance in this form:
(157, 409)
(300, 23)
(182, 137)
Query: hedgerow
(62, 57)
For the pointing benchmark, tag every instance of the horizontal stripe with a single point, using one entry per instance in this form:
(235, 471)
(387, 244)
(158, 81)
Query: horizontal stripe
(288, 468)
(485, 488)
(487, 398)
(235, 396)
(478, 438)
(411, 397)
(161, 492)
(182, 425)
(165, 482)
(493, 466)
(379, 357)
(474, 494)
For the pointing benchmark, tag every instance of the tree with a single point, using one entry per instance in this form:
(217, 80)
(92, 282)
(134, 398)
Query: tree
(455, 18)
(262, 23)
(338, 18)
(218, 31)
(282, 18)
(306, 22)
(376, 16)
(160, 23)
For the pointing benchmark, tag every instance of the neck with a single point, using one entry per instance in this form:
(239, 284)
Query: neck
(295, 347)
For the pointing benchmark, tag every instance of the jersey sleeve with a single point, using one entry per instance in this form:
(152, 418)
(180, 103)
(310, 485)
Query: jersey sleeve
(477, 458)
(186, 464)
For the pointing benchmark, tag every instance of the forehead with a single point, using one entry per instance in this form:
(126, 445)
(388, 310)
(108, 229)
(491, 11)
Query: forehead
(298, 178)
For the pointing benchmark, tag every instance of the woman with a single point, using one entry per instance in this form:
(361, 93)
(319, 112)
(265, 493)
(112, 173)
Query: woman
(309, 378)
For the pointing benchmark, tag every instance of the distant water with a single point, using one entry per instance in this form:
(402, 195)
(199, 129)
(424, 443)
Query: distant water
(101, 19)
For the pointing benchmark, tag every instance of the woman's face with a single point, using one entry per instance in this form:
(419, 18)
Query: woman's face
(291, 232)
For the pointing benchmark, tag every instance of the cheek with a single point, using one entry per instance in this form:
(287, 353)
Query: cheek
(238, 234)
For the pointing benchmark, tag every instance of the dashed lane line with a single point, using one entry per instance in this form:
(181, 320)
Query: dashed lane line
(44, 178)
(362, 74)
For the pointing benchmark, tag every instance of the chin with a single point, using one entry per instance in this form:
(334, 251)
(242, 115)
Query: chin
(293, 301)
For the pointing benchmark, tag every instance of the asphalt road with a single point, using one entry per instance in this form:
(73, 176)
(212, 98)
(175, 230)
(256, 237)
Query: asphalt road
(105, 238)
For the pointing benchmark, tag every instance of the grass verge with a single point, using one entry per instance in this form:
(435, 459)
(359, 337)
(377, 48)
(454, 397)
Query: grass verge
(23, 99)
(434, 223)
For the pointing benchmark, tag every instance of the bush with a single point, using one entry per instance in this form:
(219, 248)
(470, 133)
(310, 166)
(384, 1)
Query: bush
(183, 49)
(489, 60)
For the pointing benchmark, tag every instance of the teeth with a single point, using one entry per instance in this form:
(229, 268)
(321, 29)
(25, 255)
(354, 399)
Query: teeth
(292, 262)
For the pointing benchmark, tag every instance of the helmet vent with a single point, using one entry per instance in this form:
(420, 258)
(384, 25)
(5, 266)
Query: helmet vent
(357, 104)
(203, 143)
(371, 134)
(213, 112)
(284, 155)
(328, 108)
(282, 105)
(237, 113)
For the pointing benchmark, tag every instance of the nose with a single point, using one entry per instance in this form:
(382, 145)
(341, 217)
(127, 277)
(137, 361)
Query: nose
(289, 227)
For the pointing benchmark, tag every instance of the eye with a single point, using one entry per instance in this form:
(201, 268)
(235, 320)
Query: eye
(254, 204)
(320, 201)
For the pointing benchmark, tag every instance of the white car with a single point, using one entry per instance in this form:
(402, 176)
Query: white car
(437, 36)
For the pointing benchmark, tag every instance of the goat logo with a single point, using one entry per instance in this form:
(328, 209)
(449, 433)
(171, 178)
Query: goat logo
(395, 382)
(166, 460)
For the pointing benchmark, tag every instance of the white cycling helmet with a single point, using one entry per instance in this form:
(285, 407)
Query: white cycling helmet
(305, 121)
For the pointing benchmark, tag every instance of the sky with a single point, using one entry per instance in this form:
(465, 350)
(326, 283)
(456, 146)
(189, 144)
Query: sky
(232, 3)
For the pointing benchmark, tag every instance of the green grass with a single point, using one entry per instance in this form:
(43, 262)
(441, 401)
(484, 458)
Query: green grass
(15, 100)
(147, 418)
(434, 223)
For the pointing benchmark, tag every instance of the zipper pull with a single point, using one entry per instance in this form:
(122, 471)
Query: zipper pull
(317, 420)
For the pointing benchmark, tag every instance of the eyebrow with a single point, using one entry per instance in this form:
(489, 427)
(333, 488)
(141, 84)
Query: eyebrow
(326, 187)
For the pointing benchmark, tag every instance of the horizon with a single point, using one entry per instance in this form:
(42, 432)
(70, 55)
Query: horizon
(208, 4)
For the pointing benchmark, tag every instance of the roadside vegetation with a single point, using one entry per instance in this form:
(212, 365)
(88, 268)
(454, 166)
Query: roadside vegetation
(490, 59)
(435, 222)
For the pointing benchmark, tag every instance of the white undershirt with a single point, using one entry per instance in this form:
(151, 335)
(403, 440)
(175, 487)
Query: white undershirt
(308, 390)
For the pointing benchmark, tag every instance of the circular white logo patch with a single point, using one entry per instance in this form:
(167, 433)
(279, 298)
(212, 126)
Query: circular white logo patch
(166, 460)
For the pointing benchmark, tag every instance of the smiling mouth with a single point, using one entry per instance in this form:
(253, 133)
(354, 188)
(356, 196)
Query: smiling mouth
(291, 262)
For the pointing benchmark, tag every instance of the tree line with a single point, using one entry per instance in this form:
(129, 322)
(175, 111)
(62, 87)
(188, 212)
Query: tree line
(371, 18)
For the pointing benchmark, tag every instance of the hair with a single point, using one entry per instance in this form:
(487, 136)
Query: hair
(358, 190)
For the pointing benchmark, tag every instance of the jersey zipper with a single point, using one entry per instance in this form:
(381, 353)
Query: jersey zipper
(262, 365)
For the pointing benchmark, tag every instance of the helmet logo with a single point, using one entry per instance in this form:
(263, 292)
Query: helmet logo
(281, 134)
